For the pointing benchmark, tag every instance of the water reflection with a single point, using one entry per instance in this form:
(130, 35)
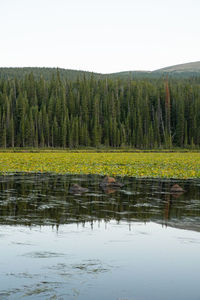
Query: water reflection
(43, 199)
(146, 261)
(126, 255)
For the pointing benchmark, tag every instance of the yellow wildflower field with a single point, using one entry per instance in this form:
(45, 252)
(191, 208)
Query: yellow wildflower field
(168, 165)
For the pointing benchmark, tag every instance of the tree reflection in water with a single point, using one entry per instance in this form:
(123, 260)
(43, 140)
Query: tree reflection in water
(44, 199)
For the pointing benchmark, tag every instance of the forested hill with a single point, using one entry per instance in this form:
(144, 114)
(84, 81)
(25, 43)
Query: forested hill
(89, 112)
(189, 70)
(188, 67)
(46, 73)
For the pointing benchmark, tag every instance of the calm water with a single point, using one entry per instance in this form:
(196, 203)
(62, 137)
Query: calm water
(137, 243)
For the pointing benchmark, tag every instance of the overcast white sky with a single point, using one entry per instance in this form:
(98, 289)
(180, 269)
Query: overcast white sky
(99, 35)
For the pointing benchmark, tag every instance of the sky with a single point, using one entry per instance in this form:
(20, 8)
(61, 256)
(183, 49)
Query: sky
(99, 35)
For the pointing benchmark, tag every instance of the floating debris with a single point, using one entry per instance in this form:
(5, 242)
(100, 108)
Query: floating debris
(77, 189)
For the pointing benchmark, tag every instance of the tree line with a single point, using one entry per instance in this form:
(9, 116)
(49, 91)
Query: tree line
(92, 112)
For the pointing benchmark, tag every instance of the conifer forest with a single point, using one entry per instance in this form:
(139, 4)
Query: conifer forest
(151, 113)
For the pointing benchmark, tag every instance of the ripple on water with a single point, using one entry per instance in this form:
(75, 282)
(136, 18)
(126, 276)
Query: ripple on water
(43, 254)
(70, 258)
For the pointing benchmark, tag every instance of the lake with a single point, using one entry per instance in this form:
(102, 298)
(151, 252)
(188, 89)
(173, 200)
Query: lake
(140, 242)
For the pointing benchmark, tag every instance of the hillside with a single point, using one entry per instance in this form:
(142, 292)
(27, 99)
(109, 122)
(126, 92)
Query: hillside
(46, 73)
(188, 67)
(129, 74)
(178, 71)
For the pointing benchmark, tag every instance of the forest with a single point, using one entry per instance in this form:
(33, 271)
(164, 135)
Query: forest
(143, 113)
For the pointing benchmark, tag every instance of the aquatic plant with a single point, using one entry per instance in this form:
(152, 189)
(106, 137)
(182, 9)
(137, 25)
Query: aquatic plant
(169, 165)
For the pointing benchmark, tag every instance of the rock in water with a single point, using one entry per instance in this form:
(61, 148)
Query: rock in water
(110, 182)
(176, 189)
(77, 189)
(110, 190)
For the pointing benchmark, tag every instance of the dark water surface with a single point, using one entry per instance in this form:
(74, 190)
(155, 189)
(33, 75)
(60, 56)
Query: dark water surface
(140, 242)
